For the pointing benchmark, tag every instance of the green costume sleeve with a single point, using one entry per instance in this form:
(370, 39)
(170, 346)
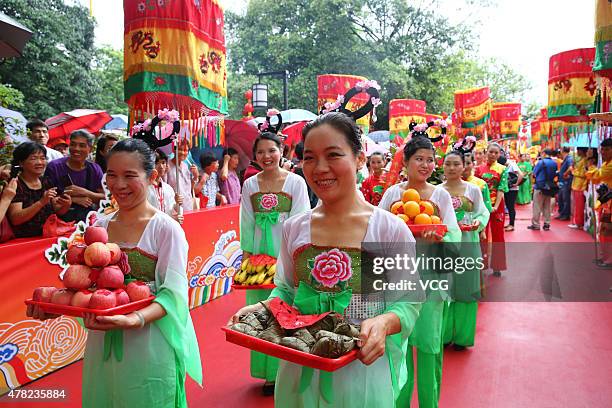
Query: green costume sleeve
(172, 295)
(486, 196)
(503, 183)
(247, 220)
(404, 308)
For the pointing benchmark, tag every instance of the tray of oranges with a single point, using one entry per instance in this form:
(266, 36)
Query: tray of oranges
(419, 215)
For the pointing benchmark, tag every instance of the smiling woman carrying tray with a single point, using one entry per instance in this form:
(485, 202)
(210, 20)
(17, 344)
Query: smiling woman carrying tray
(318, 270)
(141, 359)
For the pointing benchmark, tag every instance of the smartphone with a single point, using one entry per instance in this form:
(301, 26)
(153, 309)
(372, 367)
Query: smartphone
(15, 170)
(65, 181)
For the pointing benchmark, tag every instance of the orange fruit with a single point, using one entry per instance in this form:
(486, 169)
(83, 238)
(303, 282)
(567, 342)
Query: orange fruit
(422, 219)
(397, 208)
(411, 209)
(435, 219)
(404, 217)
(411, 195)
(426, 208)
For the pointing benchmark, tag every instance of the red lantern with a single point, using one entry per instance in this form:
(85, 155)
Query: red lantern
(248, 94)
(248, 109)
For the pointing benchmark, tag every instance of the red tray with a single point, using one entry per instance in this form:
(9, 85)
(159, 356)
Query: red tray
(418, 229)
(465, 227)
(75, 311)
(287, 353)
(252, 287)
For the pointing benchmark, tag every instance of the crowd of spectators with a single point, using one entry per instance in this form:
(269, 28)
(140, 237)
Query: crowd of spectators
(67, 181)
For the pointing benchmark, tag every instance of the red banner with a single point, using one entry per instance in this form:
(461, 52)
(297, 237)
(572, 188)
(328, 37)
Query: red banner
(571, 85)
(505, 120)
(174, 57)
(30, 348)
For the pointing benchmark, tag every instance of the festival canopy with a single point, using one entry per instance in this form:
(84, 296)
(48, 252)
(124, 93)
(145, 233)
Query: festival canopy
(402, 112)
(13, 37)
(603, 39)
(571, 92)
(535, 132)
(60, 126)
(472, 108)
(544, 126)
(330, 86)
(174, 57)
(505, 120)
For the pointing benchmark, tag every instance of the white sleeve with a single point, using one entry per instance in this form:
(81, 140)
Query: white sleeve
(172, 249)
(388, 198)
(283, 278)
(247, 217)
(299, 195)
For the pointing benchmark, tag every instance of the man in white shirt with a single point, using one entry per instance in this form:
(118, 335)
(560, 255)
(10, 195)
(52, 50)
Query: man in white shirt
(38, 132)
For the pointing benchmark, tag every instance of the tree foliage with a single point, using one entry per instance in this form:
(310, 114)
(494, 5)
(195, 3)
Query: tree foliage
(410, 48)
(108, 74)
(60, 69)
(54, 74)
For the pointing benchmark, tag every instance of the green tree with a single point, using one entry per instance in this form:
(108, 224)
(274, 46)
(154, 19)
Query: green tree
(54, 74)
(10, 98)
(108, 73)
(410, 48)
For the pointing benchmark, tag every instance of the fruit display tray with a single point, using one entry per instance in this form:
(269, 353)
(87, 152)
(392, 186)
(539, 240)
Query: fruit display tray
(75, 311)
(466, 227)
(287, 353)
(418, 229)
(253, 287)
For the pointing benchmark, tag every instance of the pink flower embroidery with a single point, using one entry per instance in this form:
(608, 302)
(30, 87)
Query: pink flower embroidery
(456, 202)
(332, 267)
(269, 201)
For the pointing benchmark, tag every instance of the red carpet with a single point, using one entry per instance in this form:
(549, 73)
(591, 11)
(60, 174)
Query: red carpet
(532, 354)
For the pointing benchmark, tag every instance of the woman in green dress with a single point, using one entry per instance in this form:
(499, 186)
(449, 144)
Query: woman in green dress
(319, 271)
(141, 359)
(426, 340)
(268, 199)
(460, 324)
(524, 195)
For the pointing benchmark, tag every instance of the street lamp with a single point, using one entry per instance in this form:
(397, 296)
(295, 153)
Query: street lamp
(260, 95)
(260, 91)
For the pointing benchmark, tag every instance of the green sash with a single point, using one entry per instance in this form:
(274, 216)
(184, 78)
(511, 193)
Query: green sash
(113, 342)
(265, 220)
(310, 301)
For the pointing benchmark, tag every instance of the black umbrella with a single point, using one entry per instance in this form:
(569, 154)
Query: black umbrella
(13, 37)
